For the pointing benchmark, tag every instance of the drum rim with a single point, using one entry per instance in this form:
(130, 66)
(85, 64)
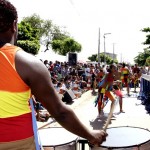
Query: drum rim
(127, 146)
(62, 144)
(75, 140)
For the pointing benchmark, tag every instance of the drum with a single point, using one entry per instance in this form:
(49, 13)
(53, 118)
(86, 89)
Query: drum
(126, 138)
(57, 138)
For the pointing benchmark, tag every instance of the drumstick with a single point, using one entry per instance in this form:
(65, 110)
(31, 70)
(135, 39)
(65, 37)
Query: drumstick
(109, 117)
(48, 123)
(106, 125)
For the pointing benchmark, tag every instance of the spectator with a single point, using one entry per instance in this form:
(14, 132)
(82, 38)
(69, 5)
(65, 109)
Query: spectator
(143, 70)
(76, 88)
(148, 72)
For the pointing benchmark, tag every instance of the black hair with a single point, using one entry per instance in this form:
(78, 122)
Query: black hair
(110, 67)
(8, 14)
(58, 84)
(123, 65)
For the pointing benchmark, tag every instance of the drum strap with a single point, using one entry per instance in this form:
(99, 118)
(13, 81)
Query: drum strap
(36, 136)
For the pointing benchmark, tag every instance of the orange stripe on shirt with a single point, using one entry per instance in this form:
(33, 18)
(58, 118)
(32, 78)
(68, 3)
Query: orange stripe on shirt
(9, 78)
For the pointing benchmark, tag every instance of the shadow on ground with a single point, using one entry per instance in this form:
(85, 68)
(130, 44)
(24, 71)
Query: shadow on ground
(99, 122)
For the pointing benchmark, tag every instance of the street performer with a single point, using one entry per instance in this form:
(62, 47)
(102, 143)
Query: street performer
(105, 88)
(22, 75)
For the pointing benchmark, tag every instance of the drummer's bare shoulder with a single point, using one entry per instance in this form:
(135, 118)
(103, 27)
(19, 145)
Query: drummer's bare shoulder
(29, 66)
(32, 71)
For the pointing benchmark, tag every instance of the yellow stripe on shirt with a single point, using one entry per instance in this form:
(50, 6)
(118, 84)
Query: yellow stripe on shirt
(14, 104)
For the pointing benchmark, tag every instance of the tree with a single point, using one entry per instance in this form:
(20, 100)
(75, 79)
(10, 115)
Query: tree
(35, 22)
(28, 38)
(148, 61)
(66, 45)
(142, 57)
(93, 57)
(48, 34)
(147, 41)
(109, 60)
(47, 30)
(29, 46)
(60, 33)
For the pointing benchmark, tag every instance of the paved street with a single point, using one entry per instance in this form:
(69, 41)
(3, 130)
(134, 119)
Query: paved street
(135, 114)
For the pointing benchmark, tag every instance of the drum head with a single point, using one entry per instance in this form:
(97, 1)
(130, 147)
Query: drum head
(56, 137)
(125, 137)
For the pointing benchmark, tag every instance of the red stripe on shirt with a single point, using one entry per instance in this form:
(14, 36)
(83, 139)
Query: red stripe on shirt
(16, 128)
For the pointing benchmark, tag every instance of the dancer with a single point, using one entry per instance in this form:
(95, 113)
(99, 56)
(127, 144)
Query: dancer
(105, 88)
(125, 77)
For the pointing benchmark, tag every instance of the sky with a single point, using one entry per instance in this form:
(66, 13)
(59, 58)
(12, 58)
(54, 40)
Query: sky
(124, 19)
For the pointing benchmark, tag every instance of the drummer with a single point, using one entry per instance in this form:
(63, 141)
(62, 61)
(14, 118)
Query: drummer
(21, 76)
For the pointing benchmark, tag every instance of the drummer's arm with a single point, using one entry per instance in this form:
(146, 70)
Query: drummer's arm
(60, 111)
(36, 75)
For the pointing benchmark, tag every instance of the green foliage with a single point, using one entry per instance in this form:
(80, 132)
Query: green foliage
(26, 32)
(115, 61)
(147, 30)
(35, 22)
(93, 57)
(141, 58)
(47, 31)
(28, 38)
(62, 47)
(35, 29)
(29, 46)
(147, 41)
(109, 60)
(57, 45)
(59, 34)
(148, 60)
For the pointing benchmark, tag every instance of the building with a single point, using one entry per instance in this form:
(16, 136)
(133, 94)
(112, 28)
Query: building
(111, 55)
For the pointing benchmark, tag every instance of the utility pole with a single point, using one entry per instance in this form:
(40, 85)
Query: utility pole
(99, 59)
(121, 57)
(113, 51)
(105, 47)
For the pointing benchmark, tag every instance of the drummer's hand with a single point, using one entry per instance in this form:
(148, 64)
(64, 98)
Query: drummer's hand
(98, 137)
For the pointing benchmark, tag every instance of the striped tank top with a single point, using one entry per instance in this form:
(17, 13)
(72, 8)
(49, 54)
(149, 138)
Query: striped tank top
(15, 112)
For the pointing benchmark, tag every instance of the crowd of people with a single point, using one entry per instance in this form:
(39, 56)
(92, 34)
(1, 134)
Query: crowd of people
(109, 80)
(23, 77)
(86, 76)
